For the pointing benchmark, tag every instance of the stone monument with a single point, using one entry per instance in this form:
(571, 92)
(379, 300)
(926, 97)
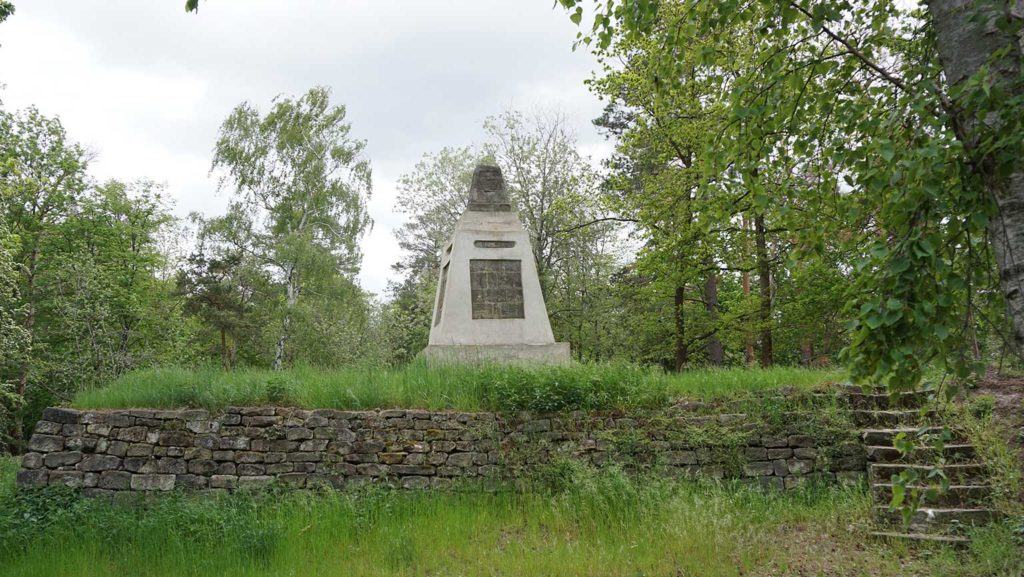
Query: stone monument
(489, 305)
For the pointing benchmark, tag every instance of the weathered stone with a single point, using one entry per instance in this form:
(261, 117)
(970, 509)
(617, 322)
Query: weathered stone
(254, 480)
(223, 481)
(250, 470)
(412, 470)
(152, 482)
(48, 428)
(758, 468)
(800, 467)
(392, 458)
(779, 454)
(278, 468)
(80, 443)
(681, 458)
(805, 453)
(755, 453)
(132, 434)
(801, 441)
(780, 467)
(31, 461)
(63, 416)
(45, 443)
(298, 434)
(54, 460)
(115, 480)
(99, 430)
(415, 482)
(32, 478)
(460, 459)
(192, 482)
(99, 463)
(234, 443)
(202, 466)
(248, 457)
(226, 469)
(139, 450)
(68, 478)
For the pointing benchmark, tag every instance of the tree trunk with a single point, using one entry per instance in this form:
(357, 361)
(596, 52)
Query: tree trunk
(682, 348)
(764, 273)
(806, 351)
(716, 356)
(292, 289)
(748, 337)
(967, 34)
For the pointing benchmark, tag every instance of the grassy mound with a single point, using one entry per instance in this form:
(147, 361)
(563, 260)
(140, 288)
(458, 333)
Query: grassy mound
(580, 523)
(541, 388)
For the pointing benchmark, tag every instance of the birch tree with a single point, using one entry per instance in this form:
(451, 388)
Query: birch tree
(300, 187)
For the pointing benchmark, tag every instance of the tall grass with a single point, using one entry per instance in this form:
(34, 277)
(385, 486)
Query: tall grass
(593, 524)
(497, 387)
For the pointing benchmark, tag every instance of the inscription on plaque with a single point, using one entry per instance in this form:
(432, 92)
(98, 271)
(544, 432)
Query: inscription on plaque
(494, 243)
(496, 286)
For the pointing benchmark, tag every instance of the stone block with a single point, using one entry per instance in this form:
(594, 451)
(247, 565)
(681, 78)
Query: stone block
(32, 478)
(202, 467)
(312, 445)
(755, 453)
(60, 415)
(139, 450)
(115, 480)
(48, 428)
(460, 459)
(226, 469)
(248, 457)
(68, 478)
(779, 454)
(54, 460)
(780, 467)
(774, 442)
(800, 467)
(801, 441)
(805, 453)
(224, 482)
(31, 461)
(415, 482)
(99, 463)
(419, 470)
(758, 469)
(191, 482)
(298, 433)
(132, 434)
(254, 480)
(392, 458)
(100, 430)
(45, 443)
(234, 443)
(250, 470)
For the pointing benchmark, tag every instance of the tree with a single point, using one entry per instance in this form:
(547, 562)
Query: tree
(301, 187)
(42, 176)
(13, 337)
(913, 161)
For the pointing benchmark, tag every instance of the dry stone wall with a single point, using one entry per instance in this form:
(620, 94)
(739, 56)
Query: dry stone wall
(160, 450)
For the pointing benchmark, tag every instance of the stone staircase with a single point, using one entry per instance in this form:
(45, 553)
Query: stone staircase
(939, 518)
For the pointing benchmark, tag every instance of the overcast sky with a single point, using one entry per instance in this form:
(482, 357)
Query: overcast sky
(145, 85)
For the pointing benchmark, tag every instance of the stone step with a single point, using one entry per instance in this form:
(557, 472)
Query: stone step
(891, 417)
(955, 495)
(922, 537)
(921, 454)
(887, 436)
(883, 401)
(958, 473)
(936, 519)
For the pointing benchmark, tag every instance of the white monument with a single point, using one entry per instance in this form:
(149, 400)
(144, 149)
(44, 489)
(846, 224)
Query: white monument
(489, 305)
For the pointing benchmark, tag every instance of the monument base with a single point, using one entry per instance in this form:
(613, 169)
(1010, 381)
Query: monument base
(553, 354)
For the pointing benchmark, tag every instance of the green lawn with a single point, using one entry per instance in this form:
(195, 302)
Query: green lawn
(593, 524)
(582, 386)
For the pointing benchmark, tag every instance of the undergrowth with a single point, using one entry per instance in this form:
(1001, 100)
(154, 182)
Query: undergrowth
(574, 521)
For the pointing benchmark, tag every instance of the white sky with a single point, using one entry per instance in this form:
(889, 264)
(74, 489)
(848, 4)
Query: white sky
(145, 85)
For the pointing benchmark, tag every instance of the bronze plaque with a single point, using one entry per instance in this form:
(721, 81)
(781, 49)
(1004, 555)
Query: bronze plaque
(496, 286)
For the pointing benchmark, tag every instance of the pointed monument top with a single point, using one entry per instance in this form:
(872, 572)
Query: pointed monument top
(487, 193)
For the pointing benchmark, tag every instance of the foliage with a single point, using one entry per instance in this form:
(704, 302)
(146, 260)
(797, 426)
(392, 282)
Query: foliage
(841, 105)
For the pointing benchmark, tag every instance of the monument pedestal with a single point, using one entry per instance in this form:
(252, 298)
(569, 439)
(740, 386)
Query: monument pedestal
(555, 353)
(489, 305)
